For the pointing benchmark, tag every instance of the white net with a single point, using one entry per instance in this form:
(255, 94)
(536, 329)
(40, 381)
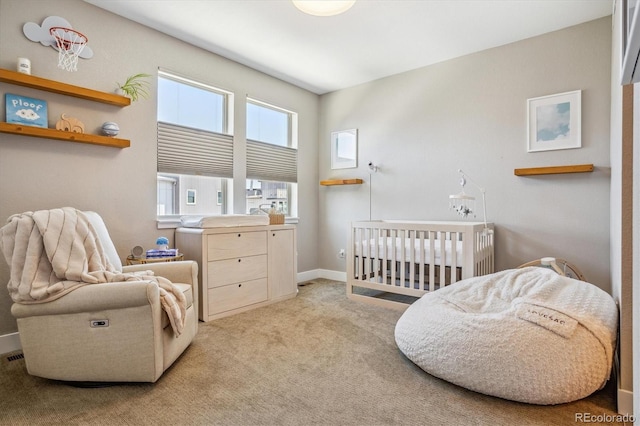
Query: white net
(70, 43)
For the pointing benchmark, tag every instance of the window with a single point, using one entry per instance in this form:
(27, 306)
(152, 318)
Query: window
(190, 104)
(271, 195)
(177, 196)
(272, 158)
(195, 151)
(167, 195)
(191, 197)
(268, 124)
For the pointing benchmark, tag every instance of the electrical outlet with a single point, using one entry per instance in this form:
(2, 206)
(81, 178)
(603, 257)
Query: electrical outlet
(341, 254)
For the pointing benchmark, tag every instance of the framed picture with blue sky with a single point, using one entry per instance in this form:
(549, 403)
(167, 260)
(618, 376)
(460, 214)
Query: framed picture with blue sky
(554, 122)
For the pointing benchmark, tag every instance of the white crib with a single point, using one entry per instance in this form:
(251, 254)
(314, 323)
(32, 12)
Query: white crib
(409, 258)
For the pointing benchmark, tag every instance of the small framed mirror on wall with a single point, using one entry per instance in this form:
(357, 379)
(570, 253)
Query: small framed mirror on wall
(344, 149)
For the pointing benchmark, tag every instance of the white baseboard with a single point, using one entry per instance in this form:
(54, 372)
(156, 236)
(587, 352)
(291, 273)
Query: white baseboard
(333, 275)
(308, 275)
(322, 273)
(625, 402)
(10, 342)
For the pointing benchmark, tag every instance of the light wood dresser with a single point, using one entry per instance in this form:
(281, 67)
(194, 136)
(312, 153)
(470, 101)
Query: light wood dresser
(241, 268)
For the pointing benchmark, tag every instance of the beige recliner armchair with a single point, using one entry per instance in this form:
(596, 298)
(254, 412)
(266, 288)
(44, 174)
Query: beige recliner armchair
(110, 332)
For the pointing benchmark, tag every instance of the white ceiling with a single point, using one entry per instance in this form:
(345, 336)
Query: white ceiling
(373, 39)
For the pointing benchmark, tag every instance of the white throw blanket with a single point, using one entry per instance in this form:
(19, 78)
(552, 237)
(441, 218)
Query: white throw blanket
(52, 252)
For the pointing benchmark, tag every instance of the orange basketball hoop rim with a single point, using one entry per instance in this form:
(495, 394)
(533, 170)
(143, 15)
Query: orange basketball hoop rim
(66, 38)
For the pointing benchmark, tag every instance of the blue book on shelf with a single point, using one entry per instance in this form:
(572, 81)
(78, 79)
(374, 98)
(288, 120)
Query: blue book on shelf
(27, 111)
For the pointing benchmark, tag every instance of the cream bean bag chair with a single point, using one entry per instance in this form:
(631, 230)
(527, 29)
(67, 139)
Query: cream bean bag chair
(527, 335)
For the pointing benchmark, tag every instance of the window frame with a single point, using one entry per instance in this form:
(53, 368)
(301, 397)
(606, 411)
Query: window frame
(292, 143)
(172, 220)
(229, 109)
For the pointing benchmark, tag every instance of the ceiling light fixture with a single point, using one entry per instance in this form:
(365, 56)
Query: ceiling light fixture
(323, 7)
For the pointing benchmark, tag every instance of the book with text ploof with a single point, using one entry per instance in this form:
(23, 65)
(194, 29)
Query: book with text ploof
(27, 111)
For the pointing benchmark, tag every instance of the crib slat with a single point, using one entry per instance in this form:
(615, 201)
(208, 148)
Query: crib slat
(362, 254)
(374, 254)
(422, 262)
(385, 245)
(443, 260)
(454, 257)
(432, 261)
(412, 258)
(394, 234)
(478, 249)
(378, 250)
(403, 256)
(368, 257)
(371, 252)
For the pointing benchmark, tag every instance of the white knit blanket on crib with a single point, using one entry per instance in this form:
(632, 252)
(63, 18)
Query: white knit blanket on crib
(53, 252)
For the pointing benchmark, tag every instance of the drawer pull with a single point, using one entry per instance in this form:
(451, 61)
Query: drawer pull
(239, 235)
(239, 260)
(239, 285)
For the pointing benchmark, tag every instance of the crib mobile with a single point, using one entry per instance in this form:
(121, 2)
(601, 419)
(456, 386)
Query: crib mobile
(559, 265)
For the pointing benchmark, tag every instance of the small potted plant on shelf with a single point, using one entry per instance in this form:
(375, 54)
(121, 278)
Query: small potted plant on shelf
(135, 86)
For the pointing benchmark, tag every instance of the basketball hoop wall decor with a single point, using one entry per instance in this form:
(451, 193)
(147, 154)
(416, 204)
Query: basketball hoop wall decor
(57, 33)
(70, 44)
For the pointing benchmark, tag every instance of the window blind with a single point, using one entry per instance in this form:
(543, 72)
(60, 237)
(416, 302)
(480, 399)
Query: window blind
(266, 161)
(185, 150)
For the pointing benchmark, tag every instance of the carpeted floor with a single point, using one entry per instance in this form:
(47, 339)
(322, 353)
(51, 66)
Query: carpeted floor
(318, 359)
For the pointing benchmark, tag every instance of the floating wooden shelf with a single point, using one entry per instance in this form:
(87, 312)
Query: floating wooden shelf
(532, 171)
(341, 182)
(40, 132)
(39, 83)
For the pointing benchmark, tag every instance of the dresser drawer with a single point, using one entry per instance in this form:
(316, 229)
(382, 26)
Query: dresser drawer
(229, 271)
(232, 296)
(236, 244)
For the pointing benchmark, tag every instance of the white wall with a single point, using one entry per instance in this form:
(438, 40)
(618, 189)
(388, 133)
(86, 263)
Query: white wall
(121, 184)
(470, 113)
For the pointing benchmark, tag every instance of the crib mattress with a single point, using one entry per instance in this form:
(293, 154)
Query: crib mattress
(422, 253)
